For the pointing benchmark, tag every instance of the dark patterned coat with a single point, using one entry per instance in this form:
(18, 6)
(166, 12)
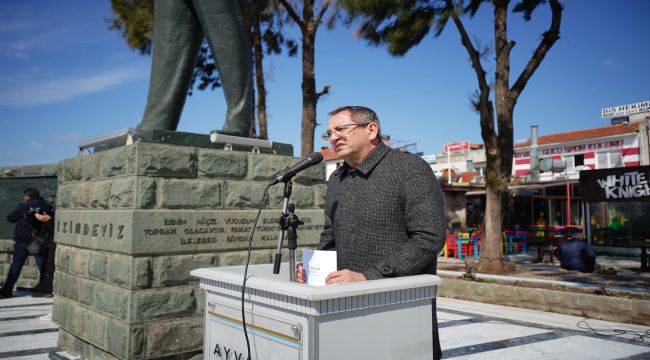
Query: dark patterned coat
(386, 217)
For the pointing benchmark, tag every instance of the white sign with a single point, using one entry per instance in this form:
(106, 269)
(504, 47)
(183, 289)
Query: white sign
(625, 110)
(318, 264)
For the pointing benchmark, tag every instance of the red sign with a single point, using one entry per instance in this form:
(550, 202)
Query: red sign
(457, 146)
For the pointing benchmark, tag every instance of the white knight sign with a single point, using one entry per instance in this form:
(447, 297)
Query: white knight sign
(630, 185)
(618, 184)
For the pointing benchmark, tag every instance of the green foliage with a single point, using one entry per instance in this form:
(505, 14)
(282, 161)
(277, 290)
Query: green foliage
(403, 24)
(398, 24)
(272, 23)
(134, 20)
(524, 6)
(527, 7)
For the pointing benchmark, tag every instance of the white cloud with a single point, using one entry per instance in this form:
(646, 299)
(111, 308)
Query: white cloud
(21, 55)
(44, 38)
(30, 92)
(68, 138)
(37, 145)
(21, 45)
(13, 25)
(609, 62)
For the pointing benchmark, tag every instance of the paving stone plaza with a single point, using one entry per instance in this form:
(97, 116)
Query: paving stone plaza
(468, 330)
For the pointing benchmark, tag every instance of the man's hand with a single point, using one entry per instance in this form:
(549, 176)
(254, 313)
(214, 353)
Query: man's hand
(300, 274)
(344, 276)
(43, 217)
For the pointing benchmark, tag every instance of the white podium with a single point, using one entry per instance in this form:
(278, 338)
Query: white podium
(379, 319)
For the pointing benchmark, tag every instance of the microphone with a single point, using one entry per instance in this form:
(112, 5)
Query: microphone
(286, 175)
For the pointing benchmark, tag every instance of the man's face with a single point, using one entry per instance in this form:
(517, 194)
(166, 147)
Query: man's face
(26, 197)
(348, 139)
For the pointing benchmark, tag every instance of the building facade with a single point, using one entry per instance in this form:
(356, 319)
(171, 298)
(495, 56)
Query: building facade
(606, 147)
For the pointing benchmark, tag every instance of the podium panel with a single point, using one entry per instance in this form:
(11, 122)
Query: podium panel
(271, 338)
(378, 319)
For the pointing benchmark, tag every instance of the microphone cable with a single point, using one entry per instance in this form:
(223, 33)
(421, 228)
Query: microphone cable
(637, 335)
(248, 260)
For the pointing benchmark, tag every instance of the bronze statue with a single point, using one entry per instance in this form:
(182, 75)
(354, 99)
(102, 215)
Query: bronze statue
(179, 27)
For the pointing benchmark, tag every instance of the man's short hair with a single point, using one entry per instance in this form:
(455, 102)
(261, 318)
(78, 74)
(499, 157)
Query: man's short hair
(360, 115)
(33, 193)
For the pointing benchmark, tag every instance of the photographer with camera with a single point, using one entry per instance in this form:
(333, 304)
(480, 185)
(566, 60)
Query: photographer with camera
(32, 236)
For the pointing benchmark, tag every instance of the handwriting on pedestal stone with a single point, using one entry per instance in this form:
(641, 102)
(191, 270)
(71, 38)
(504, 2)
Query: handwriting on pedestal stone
(106, 230)
(210, 230)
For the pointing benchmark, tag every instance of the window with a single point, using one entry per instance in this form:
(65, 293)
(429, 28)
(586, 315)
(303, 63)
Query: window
(615, 159)
(579, 159)
(602, 161)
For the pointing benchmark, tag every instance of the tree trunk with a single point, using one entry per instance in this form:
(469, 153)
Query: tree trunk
(309, 96)
(491, 258)
(499, 145)
(499, 158)
(256, 35)
(308, 26)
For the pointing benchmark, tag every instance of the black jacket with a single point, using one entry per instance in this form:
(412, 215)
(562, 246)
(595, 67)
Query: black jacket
(24, 228)
(576, 255)
(385, 218)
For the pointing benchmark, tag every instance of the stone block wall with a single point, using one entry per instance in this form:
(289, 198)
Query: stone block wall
(12, 182)
(133, 221)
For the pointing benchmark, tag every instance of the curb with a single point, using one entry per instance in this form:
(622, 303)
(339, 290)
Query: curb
(610, 308)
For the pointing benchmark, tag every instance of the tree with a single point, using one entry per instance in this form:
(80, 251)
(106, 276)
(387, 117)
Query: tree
(134, 20)
(308, 24)
(269, 41)
(403, 24)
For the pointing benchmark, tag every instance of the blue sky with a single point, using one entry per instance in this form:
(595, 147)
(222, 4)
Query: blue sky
(64, 77)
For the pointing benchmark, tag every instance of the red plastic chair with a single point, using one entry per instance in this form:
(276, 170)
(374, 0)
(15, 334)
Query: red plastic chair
(450, 244)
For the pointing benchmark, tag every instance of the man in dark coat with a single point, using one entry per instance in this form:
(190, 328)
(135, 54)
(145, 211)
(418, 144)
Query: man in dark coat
(27, 227)
(384, 208)
(576, 254)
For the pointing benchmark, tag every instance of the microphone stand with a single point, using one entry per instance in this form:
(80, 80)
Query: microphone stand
(289, 222)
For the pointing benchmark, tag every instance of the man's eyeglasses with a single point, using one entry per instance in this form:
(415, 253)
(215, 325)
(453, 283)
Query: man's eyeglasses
(341, 130)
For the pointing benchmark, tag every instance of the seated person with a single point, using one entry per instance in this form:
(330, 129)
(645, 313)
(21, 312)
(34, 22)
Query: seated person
(576, 254)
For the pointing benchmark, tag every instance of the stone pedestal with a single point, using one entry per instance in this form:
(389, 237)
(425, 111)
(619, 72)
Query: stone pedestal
(133, 221)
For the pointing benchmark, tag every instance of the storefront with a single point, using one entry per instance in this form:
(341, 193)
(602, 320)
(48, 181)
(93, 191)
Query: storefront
(618, 206)
(553, 203)
(556, 197)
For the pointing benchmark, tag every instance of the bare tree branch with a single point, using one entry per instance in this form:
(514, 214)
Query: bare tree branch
(322, 12)
(325, 91)
(474, 55)
(294, 16)
(548, 39)
(487, 125)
